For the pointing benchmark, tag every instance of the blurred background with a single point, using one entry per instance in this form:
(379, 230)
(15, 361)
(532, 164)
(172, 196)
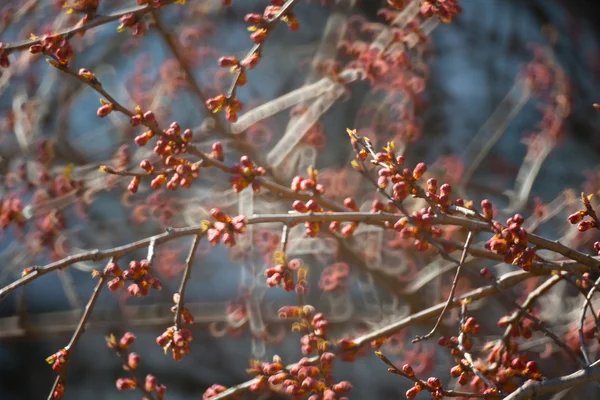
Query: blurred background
(498, 103)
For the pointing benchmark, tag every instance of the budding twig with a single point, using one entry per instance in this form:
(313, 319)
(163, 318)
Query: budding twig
(184, 280)
(60, 379)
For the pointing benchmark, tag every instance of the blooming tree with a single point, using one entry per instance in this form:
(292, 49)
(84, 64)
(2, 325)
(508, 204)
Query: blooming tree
(382, 221)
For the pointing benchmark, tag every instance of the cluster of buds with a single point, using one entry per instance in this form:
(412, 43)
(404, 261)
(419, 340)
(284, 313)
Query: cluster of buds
(421, 225)
(403, 180)
(312, 227)
(82, 6)
(443, 198)
(302, 379)
(11, 210)
(53, 44)
(177, 340)
(282, 273)
(433, 385)
(510, 368)
(259, 24)
(348, 229)
(445, 10)
(123, 344)
(266, 372)
(132, 361)
(59, 390)
(471, 326)
(143, 118)
(212, 391)
(510, 241)
(134, 22)
(225, 228)
(244, 174)
(307, 184)
(519, 327)
(505, 367)
(172, 143)
(314, 324)
(186, 315)
(139, 272)
(184, 173)
(231, 105)
(151, 386)
(237, 67)
(58, 360)
(579, 217)
(461, 372)
(334, 277)
(315, 339)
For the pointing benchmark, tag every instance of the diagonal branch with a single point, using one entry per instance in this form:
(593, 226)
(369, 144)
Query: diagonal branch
(60, 379)
(186, 276)
(98, 21)
(452, 290)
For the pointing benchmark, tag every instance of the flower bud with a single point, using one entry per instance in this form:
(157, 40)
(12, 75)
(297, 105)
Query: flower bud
(133, 360)
(105, 109)
(419, 170)
(487, 208)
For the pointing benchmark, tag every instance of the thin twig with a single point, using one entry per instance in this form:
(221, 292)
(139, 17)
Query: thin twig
(98, 21)
(268, 25)
(452, 290)
(60, 379)
(189, 262)
(448, 393)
